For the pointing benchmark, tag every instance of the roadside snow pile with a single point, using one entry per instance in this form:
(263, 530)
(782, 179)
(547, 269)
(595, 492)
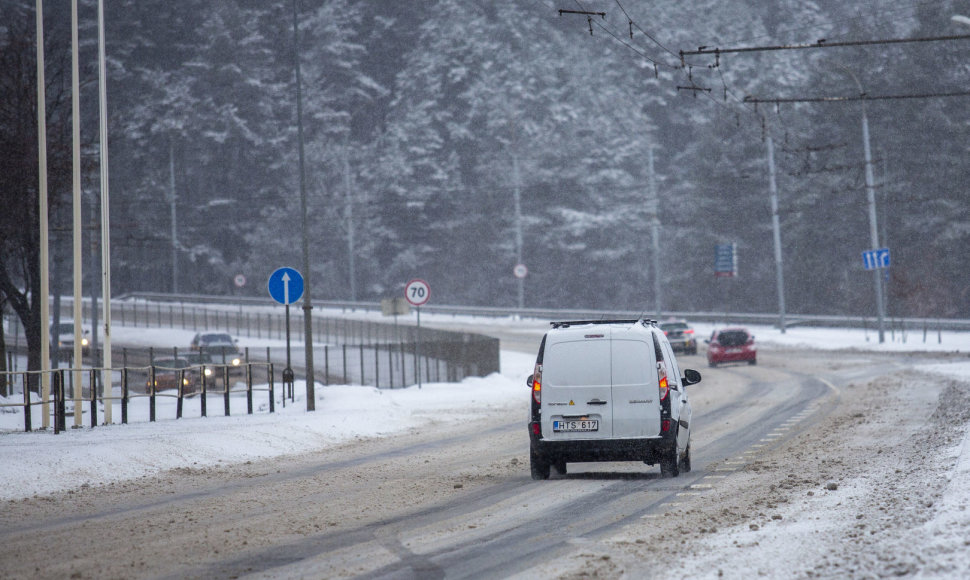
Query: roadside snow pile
(41, 462)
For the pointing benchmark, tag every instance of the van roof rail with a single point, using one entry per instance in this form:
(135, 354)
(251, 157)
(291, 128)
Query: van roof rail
(568, 323)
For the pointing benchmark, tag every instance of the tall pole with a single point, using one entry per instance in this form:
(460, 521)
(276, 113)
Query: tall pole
(76, 149)
(45, 341)
(871, 199)
(351, 231)
(655, 235)
(873, 226)
(172, 200)
(776, 230)
(307, 306)
(105, 222)
(517, 195)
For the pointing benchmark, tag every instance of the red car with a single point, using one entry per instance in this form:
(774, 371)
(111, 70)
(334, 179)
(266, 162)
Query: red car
(731, 345)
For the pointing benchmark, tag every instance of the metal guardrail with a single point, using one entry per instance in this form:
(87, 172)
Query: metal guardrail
(825, 320)
(457, 354)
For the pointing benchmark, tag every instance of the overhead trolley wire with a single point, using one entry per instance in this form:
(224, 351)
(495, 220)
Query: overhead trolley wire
(883, 15)
(739, 105)
(616, 37)
(645, 33)
(862, 97)
(821, 43)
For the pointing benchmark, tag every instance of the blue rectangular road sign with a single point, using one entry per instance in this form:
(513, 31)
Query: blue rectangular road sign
(875, 259)
(725, 260)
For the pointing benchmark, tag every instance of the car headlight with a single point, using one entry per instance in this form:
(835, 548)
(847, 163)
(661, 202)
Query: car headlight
(235, 362)
(208, 372)
(84, 342)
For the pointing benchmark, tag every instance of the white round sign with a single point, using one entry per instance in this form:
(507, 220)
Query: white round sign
(520, 271)
(417, 292)
(240, 280)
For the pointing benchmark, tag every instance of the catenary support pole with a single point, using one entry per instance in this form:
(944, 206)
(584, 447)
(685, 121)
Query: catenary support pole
(655, 236)
(172, 201)
(873, 225)
(776, 230)
(517, 198)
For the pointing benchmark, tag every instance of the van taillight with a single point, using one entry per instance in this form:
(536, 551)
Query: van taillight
(662, 374)
(537, 385)
(664, 425)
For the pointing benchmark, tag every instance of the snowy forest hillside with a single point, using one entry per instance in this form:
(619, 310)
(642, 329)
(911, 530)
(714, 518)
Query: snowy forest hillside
(424, 120)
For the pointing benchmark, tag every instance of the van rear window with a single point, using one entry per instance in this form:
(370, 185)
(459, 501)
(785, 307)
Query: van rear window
(577, 363)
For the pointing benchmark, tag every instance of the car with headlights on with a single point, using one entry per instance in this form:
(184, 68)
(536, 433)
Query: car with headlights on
(220, 346)
(680, 334)
(62, 335)
(199, 360)
(169, 373)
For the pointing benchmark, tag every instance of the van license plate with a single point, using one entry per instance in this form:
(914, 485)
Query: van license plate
(574, 426)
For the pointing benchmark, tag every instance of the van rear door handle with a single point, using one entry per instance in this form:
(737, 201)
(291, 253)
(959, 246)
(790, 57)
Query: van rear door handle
(596, 402)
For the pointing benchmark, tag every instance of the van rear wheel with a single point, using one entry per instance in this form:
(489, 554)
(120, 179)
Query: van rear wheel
(685, 461)
(668, 461)
(540, 468)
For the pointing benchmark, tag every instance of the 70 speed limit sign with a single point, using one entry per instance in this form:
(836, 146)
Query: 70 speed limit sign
(417, 292)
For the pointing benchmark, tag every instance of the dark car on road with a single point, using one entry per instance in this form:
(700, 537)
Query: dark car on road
(680, 335)
(220, 346)
(168, 372)
(199, 360)
(731, 345)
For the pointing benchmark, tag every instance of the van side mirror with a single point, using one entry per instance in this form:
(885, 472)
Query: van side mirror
(528, 381)
(691, 377)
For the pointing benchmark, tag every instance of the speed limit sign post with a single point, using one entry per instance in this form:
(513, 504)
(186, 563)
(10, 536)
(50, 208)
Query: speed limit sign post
(417, 292)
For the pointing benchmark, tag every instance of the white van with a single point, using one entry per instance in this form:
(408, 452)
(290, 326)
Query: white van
(609, 390)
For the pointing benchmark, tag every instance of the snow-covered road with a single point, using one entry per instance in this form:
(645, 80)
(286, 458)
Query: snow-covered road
(873, 482)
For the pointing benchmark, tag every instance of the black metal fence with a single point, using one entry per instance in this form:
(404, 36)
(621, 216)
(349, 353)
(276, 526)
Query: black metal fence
(80, 390)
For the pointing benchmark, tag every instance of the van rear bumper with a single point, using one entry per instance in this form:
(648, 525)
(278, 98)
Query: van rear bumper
(646, 449)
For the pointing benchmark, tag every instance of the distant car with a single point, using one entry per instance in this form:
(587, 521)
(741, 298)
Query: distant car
(731, 345)
(199, 359)
(62, 335)
(222, 347)
(680, 335)
(167, 373)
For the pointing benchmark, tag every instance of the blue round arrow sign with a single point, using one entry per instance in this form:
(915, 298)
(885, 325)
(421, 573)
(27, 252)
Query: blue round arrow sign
(285, 285)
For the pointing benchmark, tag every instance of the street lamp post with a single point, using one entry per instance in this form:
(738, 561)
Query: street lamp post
(307, 306)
